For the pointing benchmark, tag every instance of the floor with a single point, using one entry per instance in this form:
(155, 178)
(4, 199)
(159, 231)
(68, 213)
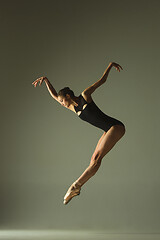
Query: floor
(70, 235)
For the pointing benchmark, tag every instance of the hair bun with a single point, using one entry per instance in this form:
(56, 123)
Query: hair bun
(64, 91)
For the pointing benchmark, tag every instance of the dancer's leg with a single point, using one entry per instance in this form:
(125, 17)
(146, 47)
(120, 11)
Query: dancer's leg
(109, 139)
(105, 144)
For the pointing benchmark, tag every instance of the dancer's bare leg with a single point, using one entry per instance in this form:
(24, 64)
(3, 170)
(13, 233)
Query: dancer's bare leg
(105, 144)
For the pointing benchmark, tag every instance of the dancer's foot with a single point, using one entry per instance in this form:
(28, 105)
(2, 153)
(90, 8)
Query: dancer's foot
(73, 191)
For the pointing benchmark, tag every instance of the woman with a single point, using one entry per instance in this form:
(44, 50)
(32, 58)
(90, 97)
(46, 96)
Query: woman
(88, 111)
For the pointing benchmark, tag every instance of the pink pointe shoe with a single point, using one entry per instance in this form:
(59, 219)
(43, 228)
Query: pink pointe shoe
(73, 191)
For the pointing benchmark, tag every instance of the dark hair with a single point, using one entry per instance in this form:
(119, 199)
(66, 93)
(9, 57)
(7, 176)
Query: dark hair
(66, 90)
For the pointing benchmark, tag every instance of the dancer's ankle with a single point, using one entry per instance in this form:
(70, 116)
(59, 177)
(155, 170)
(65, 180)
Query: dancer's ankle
(77, 183)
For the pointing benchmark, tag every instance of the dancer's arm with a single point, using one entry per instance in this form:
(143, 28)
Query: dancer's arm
(106, 72)
(50, 88)
(103, 79)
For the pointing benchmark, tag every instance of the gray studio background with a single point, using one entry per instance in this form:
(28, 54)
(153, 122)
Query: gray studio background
(45, 147)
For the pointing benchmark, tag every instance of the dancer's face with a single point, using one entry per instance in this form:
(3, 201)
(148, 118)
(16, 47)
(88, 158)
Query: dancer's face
(65, 101)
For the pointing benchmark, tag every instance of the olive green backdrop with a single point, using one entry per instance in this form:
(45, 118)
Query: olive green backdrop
(45, 147)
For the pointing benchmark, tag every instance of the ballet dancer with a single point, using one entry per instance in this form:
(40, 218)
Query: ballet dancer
(86, 109)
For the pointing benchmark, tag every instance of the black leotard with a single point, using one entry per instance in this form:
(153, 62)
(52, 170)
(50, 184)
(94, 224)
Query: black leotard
(93, 115)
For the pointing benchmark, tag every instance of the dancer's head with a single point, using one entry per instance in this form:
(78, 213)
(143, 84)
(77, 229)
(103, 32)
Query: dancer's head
(66, 95)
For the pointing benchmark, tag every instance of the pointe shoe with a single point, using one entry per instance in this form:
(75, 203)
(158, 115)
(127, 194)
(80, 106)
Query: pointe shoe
(72, 192)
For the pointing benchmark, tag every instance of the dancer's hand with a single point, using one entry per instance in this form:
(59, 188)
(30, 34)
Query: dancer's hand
(117, 66)
(40, 80)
